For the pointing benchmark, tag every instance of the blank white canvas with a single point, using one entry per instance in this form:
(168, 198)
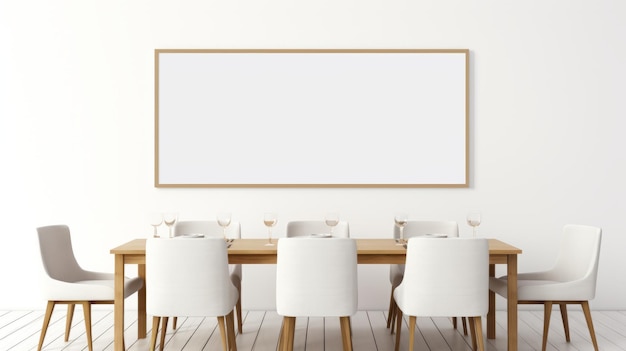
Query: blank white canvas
(311, 118)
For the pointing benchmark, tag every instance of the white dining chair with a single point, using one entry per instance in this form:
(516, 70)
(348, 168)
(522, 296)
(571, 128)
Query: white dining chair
(415, 228)
(210, 228)
(190, 277)
(311, 227)
(444, 278)
(316, 278)
(572, 279)
(66, 282)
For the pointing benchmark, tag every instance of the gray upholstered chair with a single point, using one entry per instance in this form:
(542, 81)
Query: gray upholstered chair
(444, 278)
(308, 228)
(66, 282)
(210, 228)
(190, 277)
(316, 278)
(396, 271)
(572, 279)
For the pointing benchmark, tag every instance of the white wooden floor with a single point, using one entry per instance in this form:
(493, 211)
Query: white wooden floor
(19, 330)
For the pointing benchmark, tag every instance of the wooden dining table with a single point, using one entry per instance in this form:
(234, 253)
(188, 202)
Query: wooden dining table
(254, 251)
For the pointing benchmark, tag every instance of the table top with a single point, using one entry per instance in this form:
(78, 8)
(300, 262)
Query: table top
(364, 246)
(254, 251)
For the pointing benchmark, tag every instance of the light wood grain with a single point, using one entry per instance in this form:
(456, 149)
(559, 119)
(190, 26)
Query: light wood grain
(19, 330)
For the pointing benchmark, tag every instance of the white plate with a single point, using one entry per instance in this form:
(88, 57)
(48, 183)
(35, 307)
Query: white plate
(321, 236)
(434, 235)
(192, 236)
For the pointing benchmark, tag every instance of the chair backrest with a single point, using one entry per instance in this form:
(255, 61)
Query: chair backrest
(445, 278)
(306, 228)
(579, 256)
(316, 277)
(208, 228)
(416, 228)
(188, 277)
(57, 255)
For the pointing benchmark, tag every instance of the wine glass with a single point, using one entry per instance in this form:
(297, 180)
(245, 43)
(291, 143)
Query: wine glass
(332, 219)
(155, 220)
(223, 219)
(169, 219)
(270, 220)
(473, 220)
(401, 219)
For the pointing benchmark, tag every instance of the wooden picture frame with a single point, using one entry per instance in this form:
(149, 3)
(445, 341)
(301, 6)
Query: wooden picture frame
(312, 118)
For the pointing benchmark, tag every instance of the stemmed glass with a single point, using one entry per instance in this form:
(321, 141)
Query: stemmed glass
(401, 219)
(155, 220)
(332, 219)
(169, 219)
(473, 220)
(223, 219)
(270, 220)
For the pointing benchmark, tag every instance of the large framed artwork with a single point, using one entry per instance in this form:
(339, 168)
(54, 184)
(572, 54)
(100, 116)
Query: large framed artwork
(312, 118)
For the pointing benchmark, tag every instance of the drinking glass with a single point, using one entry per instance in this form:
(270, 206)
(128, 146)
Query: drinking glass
(169, 219)
(401, 219)
(270, 220)
(223, 219)
(473, 220)
(332, 219)
(155, 220)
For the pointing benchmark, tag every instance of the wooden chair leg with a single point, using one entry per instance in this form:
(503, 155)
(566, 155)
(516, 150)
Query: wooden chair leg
(163, 332)
(412, 320)
(478, 333)
(87, 313)
(281, 332)
(155, 331)
(592, 332)
(230, 331)
(174, 323)
(68, 320)
(46, 322)
(473, 333)
(350, 324)
(547, 311)
(289, 328)
(281, 335)
(398, 327)
(292, 332)
(464, 322)
(220, 322)
(239, 320)
(391, 309)
(394, 314)
(563, 307)
(346, 333)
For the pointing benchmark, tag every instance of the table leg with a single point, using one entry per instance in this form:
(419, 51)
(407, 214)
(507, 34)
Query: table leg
(141, 304)
(491, 315)
(118, 310)
(512, 301)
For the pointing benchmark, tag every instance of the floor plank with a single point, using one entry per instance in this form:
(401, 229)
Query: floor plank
(19, 331)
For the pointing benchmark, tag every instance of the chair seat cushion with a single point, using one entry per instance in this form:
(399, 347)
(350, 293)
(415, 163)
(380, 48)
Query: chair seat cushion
(396, 273)
(92, 290)
(542, 290)
(235, 272)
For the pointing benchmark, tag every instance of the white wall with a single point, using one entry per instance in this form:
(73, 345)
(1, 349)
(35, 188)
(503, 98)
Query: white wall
(77, 125)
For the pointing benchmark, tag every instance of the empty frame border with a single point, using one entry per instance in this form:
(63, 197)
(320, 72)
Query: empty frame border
(194, 143)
